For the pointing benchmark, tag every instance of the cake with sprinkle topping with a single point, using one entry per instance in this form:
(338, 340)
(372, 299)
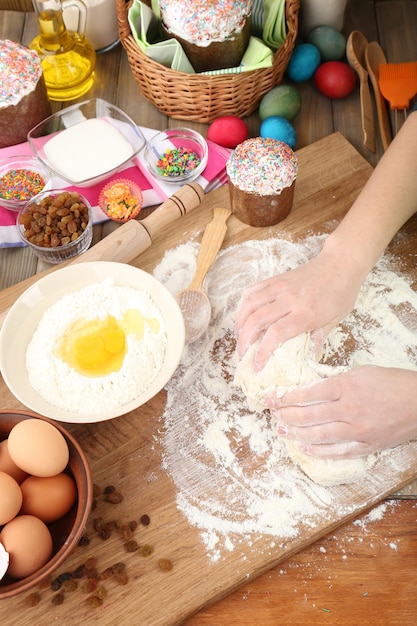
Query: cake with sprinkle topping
(23, 99)
(262, 173)
(213, 33)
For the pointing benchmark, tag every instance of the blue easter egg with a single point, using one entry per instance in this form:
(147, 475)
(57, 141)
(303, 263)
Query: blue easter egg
(277, 127)
(304, 61)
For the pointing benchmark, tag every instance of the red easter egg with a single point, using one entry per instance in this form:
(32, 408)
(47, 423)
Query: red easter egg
(335, 79)
(228, 131)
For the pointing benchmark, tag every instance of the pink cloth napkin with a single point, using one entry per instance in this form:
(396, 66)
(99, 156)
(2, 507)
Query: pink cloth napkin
(153, 191)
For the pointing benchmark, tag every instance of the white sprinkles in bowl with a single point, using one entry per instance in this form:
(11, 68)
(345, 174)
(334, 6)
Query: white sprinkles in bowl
(66, 388)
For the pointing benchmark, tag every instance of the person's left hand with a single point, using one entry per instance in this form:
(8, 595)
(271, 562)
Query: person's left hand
(363, 410)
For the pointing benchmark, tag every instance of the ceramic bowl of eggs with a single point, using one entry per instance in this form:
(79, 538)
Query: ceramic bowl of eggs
(91, 343)
(46, 494)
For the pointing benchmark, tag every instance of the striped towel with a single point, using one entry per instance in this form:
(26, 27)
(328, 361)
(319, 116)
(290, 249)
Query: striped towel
(154, 192)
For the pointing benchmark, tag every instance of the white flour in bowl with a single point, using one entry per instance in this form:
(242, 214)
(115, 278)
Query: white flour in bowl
(234, 481)
(64, 387)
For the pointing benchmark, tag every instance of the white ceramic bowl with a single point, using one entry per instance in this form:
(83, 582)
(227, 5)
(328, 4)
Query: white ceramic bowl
(99, 140)
(174, 139)
(8, 197)
(24, 316)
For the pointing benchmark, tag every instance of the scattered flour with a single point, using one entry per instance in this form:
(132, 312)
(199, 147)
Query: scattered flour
(65, 388)
(233, 478)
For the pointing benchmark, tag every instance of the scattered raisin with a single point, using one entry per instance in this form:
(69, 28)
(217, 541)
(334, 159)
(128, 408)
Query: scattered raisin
(33, 599)
(84, 541)
(109, 489)
(79, 572)
(100, 592)
(165, 565)
(131, 546)
(126, 532)
(96, 491)
(91, 563)
(119, 567)
(90, 585)
(121, 578)
(133, 525)
(94, 601)
(115, 497)
(64, 576)
(58, 598)
(145, 520)
(56, 584)
(146, 550)
(70, 585)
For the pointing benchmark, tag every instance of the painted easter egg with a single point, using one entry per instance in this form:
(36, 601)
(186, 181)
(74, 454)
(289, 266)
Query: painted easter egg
(330, 42)
(304, 61)
(335, 79)
(283, 100)
(277, 127)
(228, 131)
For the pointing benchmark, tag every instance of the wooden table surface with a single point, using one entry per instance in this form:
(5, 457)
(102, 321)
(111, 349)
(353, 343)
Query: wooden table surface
(364, 572)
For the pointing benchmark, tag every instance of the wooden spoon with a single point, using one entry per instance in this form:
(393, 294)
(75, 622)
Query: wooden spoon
(355, 53)
(193, 300)
(374, 56)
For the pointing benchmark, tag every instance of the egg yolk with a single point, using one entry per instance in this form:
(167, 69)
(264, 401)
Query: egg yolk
(98, 347)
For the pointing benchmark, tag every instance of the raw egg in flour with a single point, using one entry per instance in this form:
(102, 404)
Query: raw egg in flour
(97, 347)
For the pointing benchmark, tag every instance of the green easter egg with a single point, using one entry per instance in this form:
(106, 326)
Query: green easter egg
(283, 100)
(330, 42)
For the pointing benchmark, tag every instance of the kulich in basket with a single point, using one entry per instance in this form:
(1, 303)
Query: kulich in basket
(203, 98)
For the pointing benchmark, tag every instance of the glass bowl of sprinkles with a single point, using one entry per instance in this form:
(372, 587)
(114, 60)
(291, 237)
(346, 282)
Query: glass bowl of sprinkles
(21, 178)
(176, 155)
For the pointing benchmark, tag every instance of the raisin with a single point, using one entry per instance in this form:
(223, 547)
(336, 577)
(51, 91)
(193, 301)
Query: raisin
(165, 565)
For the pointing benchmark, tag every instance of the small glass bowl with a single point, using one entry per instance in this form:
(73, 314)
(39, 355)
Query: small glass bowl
(95, 156)
(61, 253)
(14, 168)
(177, 147)
(121, 200)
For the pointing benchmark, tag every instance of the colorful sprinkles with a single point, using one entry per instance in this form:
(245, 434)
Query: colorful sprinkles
(20, 184)
(176, 162)
(204, 21)
(263, 166)
(20, 70)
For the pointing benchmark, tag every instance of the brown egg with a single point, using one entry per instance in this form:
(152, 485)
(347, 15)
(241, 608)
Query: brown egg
(29, 544)
(48, 498)
(8, 465)
(38, 448)
(10, 498)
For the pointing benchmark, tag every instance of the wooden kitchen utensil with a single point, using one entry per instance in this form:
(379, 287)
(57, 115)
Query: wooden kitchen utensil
(374, 57)
(193, 300)
(134, 237)
(355, 52)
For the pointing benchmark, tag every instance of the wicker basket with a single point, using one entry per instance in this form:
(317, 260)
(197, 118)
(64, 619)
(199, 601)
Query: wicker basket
(200, 97)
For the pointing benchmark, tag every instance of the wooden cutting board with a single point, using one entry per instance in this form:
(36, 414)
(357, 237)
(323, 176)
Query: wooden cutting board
(127, 453)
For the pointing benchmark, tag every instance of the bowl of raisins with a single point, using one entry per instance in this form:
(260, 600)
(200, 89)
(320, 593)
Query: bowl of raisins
(56, 224)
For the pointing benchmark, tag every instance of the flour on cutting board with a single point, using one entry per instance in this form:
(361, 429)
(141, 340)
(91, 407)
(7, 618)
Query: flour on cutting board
(233, 478)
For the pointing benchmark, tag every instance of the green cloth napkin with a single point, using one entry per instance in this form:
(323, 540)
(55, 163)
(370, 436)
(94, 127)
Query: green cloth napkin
(144, 24)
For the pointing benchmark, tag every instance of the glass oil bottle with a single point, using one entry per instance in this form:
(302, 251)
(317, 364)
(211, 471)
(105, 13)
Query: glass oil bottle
(68, 58)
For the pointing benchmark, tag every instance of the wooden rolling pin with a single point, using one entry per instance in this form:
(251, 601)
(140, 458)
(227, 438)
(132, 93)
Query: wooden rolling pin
(132, 238)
